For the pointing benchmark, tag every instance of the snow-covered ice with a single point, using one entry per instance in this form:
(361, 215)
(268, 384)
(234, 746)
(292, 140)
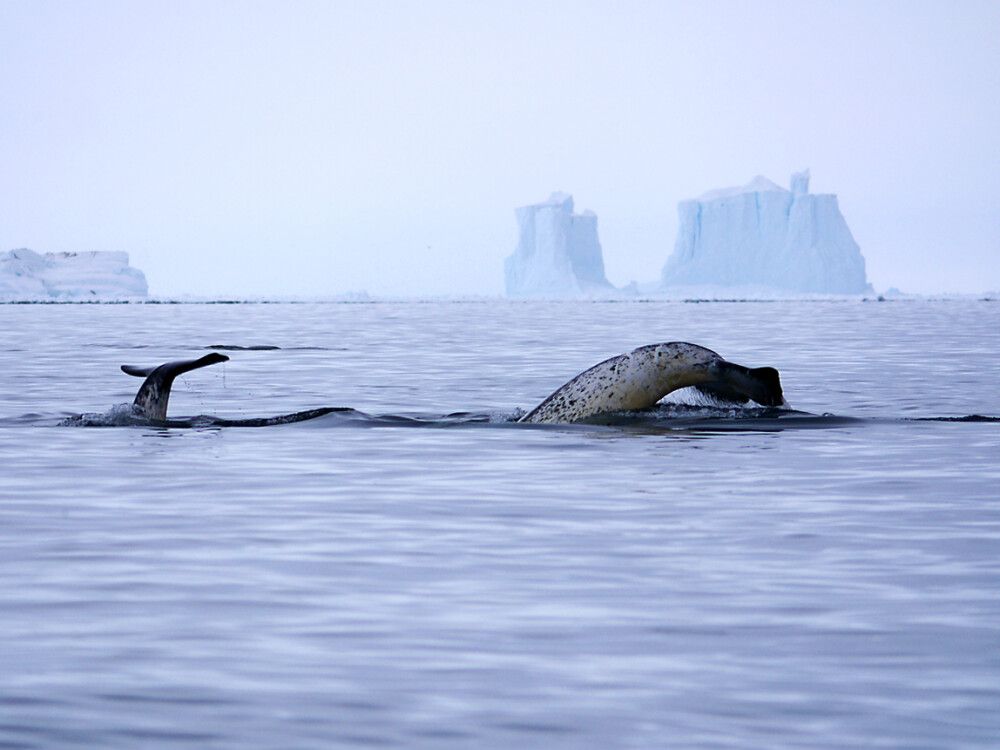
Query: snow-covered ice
(27, 276)
(558, 254)
(763, 236)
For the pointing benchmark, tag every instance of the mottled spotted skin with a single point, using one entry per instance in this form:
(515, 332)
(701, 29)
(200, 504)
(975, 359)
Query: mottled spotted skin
(154, 393)
(642, 377)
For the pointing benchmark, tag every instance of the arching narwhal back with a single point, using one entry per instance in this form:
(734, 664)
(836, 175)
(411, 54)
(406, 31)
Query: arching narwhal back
(640, 378)
(154, 393)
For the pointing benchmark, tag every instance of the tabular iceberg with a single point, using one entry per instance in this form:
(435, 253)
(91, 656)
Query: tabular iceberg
(558, 254)
(27, 276)
(761, 235)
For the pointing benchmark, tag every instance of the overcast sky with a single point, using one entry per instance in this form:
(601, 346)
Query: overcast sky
(311, 148)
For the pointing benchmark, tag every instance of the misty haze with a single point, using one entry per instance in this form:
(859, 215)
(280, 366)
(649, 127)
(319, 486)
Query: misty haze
(469, 375)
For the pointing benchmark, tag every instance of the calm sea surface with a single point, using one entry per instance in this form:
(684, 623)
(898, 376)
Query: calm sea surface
(410, 579)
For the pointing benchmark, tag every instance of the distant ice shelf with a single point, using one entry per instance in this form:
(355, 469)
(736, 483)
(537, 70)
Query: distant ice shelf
(558, 254)
(764, 237)
(27, 276)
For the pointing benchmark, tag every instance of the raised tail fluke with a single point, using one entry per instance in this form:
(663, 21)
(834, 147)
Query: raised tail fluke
(740, 384)
(154, 393)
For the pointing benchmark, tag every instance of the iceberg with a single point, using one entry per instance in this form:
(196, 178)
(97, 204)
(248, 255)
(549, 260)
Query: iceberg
(27, 276)
(763, 236)
(558, 254)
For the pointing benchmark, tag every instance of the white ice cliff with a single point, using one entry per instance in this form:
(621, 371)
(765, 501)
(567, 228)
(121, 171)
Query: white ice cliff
(27, 276)
(558, 254)
(761, 235)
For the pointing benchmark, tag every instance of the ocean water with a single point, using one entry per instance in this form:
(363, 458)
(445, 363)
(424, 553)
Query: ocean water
(422, 572)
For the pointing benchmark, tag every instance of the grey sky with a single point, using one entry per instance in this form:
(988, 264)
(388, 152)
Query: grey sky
(317, 147)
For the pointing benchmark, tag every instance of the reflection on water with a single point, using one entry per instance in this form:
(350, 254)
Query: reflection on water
(697, 578)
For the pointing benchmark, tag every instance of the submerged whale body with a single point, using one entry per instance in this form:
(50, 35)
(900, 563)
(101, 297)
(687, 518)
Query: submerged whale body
(640, 378)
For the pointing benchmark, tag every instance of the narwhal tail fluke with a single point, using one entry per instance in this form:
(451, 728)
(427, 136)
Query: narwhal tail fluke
(154, 393)
(740, 384)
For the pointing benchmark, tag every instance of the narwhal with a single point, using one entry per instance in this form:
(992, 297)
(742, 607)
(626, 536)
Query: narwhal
(640, 378)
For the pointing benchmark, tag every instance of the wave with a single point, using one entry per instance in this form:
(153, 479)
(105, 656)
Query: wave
(126, 415)
(214, 347)
(664, 418)
(966, 418)
(269, 348)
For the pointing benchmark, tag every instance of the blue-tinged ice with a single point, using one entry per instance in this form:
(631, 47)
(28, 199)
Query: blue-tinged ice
(27, 276)
(763, 236)
(558, 254)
